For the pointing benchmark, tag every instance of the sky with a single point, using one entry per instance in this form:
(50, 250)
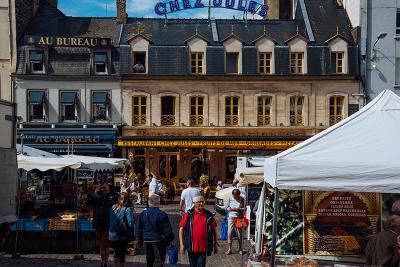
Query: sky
(136, 8)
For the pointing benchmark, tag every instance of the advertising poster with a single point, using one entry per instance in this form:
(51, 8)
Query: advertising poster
(338, 224)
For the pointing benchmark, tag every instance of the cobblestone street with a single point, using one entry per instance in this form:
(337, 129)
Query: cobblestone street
(44, 260)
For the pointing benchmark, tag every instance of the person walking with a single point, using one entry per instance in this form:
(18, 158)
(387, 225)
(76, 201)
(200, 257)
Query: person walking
(187, 197)
(102, 200)
(121, 229)
(198, 234)
(155, 232)
(383, 248)
(235, 210)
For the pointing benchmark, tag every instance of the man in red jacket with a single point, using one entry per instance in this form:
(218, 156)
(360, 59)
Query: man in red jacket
(198, 234)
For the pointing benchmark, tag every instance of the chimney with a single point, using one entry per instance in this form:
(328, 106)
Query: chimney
(122, 17)
(273, 11)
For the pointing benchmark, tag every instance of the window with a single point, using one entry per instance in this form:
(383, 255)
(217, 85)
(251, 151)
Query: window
(398, 22)
(230, 167)
(338, 59)
(68, 105)
(139, 110)
(296, 111)
(139, 62)
(36, 106)
(232, 111)
(296, 63)
(168, 110)
(232, 63)
(264, 111)
(100, 106)
(197, 63)
(264, 64)
(36, 61)
(196, 111)
(335, 109)
(100, 63)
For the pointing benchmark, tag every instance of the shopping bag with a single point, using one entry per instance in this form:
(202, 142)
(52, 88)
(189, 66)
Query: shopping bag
(224, 230)
(172, 254)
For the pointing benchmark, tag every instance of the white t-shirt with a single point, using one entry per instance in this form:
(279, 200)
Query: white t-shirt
(188, 195)
(153, 186)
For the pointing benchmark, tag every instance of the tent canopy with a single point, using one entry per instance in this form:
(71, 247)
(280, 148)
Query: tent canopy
(30, 151)
(98, 163)
(44, 164)
(252, 175)
(359, 154)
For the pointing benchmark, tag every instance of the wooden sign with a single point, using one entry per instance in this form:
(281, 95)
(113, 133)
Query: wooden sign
(338, 224)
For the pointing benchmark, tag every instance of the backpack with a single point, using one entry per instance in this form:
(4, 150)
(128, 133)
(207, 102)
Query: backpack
(224, 230)
(123, 232)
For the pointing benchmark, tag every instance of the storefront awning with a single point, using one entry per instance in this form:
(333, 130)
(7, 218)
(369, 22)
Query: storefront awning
(36, 56)
(68, 98)
(35, 97)
(99, 97)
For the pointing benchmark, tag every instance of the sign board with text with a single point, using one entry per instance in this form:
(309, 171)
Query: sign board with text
(67, 41)
(338, 224)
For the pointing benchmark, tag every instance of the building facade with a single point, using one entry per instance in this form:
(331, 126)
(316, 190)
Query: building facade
(67, 84)
(199, 93)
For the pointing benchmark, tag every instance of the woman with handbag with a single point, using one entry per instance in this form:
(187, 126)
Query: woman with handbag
(121, 229)
(235, 210)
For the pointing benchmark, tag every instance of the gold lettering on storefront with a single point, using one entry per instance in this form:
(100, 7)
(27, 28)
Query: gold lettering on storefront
(69, 41)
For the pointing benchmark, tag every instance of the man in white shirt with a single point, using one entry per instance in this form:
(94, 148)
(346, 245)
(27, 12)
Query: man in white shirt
(188, 196)
(152, 180)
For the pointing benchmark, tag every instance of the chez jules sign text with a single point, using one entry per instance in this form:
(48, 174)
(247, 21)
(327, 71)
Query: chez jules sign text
(68, 41)
(253, 7)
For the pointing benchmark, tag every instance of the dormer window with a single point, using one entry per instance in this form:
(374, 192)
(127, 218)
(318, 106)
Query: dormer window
(298, 53)
(338, 44)
(296, 63)
(139, 62)
(36, 61)
(264, 63)
(197, 63)
(100, 63)
(337, 58)
(232, 63)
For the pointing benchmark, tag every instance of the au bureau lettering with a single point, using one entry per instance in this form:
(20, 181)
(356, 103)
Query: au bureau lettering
(251, 6)
(68, 41)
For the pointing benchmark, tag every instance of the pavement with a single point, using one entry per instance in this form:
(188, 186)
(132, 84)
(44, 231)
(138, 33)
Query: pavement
(47, 260)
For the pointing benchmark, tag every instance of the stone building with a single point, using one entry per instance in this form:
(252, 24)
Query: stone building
(199, 93)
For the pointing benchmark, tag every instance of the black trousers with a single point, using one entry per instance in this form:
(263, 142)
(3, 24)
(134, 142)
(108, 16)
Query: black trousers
(197, 259)
(120, 247)
(155, 253)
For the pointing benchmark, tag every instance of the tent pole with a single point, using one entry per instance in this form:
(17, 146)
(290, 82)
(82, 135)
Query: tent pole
(274, 227)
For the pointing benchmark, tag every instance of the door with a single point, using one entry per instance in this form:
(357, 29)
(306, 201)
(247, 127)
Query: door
(168, 165)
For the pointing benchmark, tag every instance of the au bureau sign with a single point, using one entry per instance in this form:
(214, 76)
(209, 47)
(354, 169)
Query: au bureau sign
(67, 41)
(251, 6)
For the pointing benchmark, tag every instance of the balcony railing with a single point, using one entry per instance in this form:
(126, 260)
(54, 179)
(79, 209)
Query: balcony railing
(231, 120)
(167, 120)
(263, 120)
(296, 120)
(139, 119)
(196, 120)
(333, 119)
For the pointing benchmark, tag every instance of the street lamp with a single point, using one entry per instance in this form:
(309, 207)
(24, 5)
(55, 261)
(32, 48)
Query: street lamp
(380, 36)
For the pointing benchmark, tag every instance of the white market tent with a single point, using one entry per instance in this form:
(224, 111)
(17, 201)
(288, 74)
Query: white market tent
(359, 154)
(98, 163)
(30, 151)
(252, 175)
(29, 163)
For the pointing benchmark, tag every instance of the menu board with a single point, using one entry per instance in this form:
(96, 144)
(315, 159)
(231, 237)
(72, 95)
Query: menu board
(338, 223)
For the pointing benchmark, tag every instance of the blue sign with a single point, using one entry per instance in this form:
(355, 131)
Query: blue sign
(251, 6)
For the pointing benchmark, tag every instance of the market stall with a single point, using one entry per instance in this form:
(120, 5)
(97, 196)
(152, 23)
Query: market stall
(342, 172)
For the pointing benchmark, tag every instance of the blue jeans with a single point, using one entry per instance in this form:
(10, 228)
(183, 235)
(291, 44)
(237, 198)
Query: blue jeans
(197, 259)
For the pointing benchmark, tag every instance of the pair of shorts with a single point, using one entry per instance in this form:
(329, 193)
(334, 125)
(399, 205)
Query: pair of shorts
(102, 238)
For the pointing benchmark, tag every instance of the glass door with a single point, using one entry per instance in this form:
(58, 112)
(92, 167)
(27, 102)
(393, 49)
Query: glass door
(168, 165)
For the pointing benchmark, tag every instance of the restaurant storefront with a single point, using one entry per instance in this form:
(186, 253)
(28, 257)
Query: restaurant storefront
(176, 154)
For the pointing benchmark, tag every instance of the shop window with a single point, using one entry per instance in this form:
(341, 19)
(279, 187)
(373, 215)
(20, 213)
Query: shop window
(264, 63)
(230, 164)
(335, 109)
(139, 62)
(139, 110)
(264, 110)
(196, 111)
(232, 63)
(69, 106)
(100, 63)
(197, 63)
(36, 106)
(167, 110)
(296, 111)
(36, 61)
(232, 111)
(100, 106)
(337, 58)
(296, 62)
